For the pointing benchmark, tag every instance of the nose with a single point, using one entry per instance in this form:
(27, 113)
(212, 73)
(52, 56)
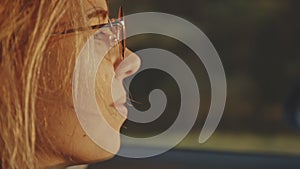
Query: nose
(128, 66)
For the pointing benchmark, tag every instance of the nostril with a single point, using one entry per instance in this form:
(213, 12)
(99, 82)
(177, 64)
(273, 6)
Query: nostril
(121, 75)
(128, 66)
(129, 72)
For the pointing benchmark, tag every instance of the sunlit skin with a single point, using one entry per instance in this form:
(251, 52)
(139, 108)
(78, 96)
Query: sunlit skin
(67, 142)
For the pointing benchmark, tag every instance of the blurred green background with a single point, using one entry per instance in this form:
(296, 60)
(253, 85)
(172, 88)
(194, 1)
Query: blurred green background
(258, 42)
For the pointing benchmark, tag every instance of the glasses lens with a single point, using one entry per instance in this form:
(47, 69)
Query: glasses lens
(111, 35)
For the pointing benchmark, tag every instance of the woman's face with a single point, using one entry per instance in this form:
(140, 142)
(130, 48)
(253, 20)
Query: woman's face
(60, 133)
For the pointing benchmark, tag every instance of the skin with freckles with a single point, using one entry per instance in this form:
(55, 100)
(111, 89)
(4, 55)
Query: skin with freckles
(38, 122)
(61, 140)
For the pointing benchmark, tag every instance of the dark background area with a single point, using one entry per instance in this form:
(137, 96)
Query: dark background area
(258, 43)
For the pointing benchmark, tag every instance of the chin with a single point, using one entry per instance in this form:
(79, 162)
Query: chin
(88, 151)
(95, 156)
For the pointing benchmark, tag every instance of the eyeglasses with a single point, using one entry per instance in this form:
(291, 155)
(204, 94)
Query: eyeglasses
(116, 26)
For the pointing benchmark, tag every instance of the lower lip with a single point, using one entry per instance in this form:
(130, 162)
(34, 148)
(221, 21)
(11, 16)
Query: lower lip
(122, 109)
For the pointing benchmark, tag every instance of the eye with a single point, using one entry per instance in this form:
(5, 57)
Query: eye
(107, 35)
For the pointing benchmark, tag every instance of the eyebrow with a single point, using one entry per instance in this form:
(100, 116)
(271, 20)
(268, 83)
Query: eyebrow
(95, 13)
(98, 12)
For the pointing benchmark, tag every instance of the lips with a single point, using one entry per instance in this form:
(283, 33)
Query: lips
(120, 106)
(117, 104)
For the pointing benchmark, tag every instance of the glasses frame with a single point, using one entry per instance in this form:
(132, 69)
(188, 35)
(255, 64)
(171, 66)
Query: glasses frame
(110, 24)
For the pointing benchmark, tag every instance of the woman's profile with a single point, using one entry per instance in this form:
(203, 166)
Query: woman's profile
(40, 42)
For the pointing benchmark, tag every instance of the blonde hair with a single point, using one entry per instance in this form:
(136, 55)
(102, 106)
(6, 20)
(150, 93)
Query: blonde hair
(25, 26)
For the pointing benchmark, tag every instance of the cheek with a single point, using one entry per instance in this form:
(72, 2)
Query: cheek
(103, 80)
(103, 84)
